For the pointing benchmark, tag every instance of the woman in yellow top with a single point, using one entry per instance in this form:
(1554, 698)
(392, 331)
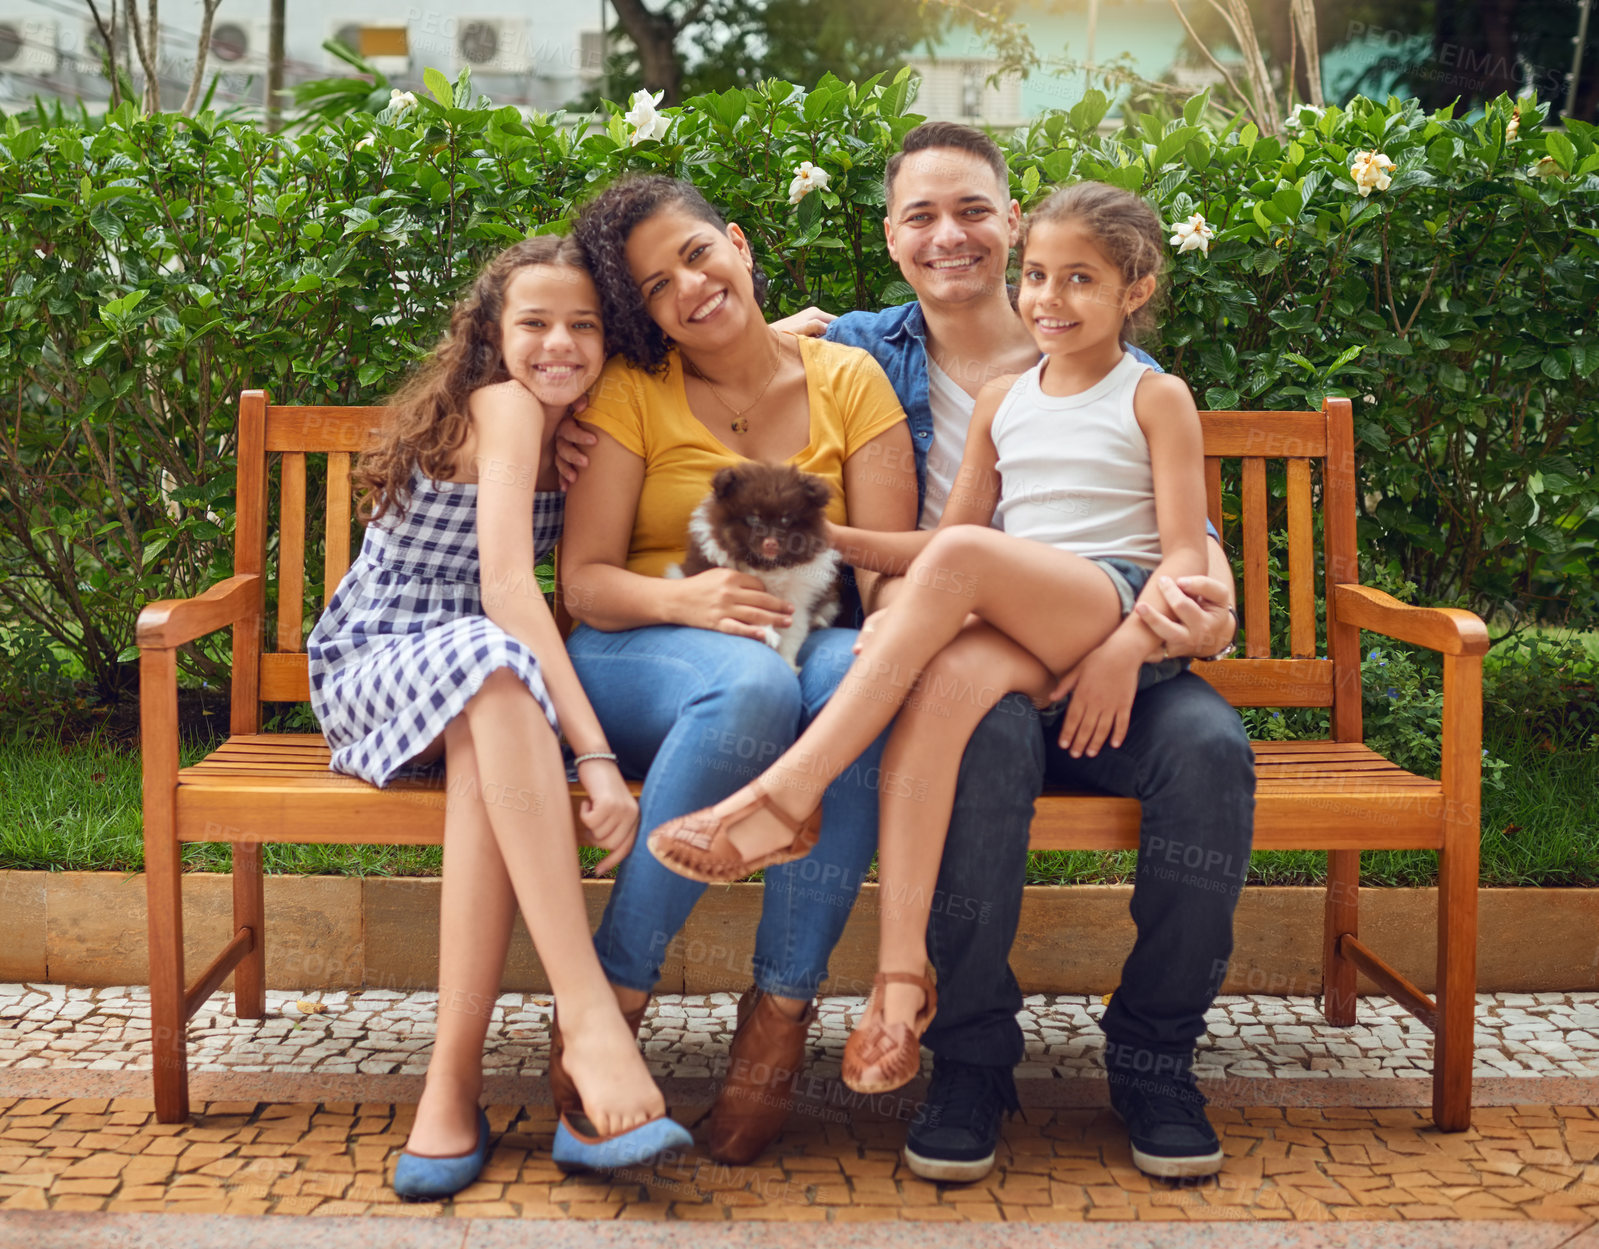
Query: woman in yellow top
(690, 698)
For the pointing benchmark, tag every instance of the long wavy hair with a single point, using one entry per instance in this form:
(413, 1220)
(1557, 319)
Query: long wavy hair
(428, 417)
(604, 225)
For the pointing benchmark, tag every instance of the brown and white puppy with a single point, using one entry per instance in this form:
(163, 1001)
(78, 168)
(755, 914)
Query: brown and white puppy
(769, 520)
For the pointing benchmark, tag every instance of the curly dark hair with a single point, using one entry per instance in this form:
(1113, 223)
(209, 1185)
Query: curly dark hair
(428, 418)
(604, 225)
(1124, 227)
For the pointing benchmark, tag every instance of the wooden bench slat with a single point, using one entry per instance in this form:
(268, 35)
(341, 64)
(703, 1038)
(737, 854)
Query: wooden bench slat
(1301, 563)
(322, 429)
(1267, 435)
(1270, 682)
(1213, 496)
(1257, 607)
(336, 527)
(291, 554)
(284, 679)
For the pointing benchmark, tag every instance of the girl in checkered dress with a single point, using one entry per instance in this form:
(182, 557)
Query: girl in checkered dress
(439, 644)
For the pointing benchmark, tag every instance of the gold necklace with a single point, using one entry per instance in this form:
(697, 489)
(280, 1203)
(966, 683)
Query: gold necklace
(740, 423)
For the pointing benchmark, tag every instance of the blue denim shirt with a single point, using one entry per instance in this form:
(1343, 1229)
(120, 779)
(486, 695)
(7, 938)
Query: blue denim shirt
(897, 339)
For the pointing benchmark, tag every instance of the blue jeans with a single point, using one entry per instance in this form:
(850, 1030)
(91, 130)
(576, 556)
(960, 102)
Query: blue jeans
(1187, 759)
(697, 714)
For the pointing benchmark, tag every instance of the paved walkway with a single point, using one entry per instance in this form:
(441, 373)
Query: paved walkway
(303, 1114)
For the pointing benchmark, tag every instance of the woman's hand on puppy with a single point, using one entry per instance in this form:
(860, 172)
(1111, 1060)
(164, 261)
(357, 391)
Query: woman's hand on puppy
(609, 813)
(729, 602)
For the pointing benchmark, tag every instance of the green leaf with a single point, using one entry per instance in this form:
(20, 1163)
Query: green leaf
(1561, 149)
(1344, 357)
(107, 224)
(1557, 364)
(1194, 108)
(438, 87)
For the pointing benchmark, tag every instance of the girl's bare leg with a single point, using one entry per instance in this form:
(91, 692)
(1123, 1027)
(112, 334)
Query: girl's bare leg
(521, 787)
(920, 765)
(476, 910)
(1055, 605)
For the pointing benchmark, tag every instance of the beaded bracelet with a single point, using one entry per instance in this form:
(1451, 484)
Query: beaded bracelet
(594, 754)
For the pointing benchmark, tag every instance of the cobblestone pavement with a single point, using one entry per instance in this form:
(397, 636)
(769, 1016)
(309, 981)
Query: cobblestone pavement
(379, 1032)
(1307, 1114)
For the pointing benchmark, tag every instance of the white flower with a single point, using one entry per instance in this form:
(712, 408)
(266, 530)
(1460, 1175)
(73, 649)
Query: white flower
(1513, 126)
(399, 101)
(807, 178)
(1296, 119)
(1193, 235)
(1370, 172)
(646, 122)
(1548, 167)
(366, 142)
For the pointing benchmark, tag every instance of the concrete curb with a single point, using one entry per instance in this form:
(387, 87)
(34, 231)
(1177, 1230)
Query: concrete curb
(329, 932)
(55, 1230)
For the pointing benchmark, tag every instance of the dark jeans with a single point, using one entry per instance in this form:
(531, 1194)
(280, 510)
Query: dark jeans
(1187, 759)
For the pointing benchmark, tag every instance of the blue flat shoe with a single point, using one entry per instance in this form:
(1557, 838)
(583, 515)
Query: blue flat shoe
(578, 1147)
(418, 1177)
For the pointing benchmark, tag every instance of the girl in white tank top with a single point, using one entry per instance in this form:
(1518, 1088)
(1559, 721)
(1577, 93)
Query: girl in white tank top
(1095, 466)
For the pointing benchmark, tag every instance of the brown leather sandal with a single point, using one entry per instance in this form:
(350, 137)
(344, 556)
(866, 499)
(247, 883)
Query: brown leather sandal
(563, 1093)
(698, 846)
(880, 1057)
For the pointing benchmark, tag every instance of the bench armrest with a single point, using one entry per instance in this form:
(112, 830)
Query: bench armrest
(171, 622)
(1449, 630)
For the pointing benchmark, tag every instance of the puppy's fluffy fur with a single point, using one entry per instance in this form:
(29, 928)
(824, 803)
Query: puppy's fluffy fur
(768, 520)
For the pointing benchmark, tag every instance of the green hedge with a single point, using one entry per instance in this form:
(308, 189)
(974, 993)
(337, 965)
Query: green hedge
(153, 266)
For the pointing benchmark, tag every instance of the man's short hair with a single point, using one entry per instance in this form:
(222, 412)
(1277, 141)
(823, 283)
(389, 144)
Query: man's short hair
(950, 134)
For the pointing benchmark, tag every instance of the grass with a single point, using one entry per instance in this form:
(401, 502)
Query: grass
(76, 808)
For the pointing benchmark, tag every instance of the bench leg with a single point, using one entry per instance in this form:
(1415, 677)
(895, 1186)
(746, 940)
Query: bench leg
(249, 911)
(1342, 916)
(163, 883)
(1454, 1041)
(1453, 1038)
(168, 1017)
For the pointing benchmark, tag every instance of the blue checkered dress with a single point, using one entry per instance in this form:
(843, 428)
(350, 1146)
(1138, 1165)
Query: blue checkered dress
(404, 643)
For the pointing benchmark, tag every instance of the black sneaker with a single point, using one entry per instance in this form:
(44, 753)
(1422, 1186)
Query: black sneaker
(1165, 1118)
(953, 1136)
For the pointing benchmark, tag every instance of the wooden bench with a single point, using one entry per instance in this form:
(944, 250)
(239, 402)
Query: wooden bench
(1334, 795)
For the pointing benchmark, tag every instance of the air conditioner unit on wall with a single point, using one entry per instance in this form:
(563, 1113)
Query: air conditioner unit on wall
(237, 46)
(956, 89)
(28, 46)
(493, 45)
(386, 44)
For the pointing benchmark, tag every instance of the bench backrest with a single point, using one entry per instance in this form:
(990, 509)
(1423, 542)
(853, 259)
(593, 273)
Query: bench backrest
(1239, 446)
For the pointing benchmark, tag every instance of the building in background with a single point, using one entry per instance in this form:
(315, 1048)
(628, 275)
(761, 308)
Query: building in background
(1092, 32)
(540, 54)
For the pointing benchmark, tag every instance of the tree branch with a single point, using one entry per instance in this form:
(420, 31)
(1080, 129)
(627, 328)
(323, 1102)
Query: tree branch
(200, 55)
(1200, 44)
(145, 42)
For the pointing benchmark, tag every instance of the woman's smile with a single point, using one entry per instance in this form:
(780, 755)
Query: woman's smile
(709, 308)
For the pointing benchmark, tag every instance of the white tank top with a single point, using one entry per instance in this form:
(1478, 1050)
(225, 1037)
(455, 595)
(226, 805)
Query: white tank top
(1075, 469)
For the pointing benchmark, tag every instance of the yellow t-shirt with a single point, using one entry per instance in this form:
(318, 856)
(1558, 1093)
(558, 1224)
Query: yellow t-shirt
(851, 402)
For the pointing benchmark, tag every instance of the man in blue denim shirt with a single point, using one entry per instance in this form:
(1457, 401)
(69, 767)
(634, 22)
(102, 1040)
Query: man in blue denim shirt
(950, 226)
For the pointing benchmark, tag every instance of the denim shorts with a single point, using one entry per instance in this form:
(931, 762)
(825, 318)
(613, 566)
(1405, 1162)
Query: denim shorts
(1129, 579)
